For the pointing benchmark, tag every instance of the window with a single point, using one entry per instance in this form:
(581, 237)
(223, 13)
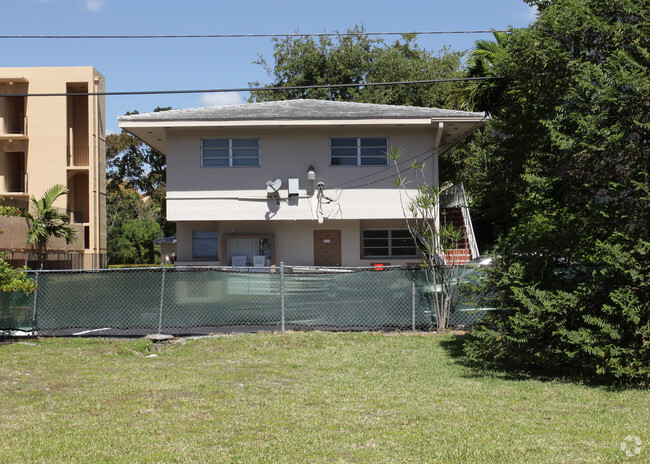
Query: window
(358, 151)
(205, 244)
(230, 152)
(388, 243)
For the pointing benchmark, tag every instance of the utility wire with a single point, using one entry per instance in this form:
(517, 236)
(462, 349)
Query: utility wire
(389, 167)
(439, 151)
(244, 36)
(252, 89)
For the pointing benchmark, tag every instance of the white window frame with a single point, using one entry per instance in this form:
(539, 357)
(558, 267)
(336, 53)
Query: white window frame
(389, 245)
(231, 150)
(359, 150)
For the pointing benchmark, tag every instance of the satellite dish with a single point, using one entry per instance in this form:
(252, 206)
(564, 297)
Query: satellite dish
(272, 186)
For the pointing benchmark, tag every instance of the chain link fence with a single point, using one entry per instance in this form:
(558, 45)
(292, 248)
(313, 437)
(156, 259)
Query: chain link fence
(202, 300)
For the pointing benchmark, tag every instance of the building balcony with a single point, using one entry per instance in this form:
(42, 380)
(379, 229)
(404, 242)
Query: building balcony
(79, 212)
(13, 125)
(13, 182)
(78, 155)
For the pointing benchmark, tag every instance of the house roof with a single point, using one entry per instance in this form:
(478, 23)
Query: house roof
(152, 127)
(292, 110)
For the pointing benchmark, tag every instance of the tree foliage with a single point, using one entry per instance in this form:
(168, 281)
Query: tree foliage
(135, 201)
(354, 59)
(133, 164)
(434, 240)
(13, 280)
(132, 226)
(569, 161)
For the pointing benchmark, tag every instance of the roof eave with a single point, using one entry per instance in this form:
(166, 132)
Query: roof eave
(125, 123)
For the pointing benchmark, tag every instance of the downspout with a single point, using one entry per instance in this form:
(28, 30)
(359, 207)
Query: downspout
(96, 174)
(436, 146)
(436, 174)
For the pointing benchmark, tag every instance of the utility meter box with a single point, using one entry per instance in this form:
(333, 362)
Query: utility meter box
(294, 187)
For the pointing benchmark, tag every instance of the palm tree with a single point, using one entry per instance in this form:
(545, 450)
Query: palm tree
(46, 221)
(483, 62)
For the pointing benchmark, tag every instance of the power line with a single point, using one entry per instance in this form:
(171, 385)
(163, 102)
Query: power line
(439, 151)
(252, 89)
(389, 167)
(243, 36)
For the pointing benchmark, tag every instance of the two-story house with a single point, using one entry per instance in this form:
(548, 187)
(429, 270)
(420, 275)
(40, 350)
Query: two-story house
(305, 182)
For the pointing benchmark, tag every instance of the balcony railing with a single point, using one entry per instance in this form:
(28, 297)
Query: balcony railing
(454, 197)
(79, 212)
(78, 155)
(13, 182)
(13, 124)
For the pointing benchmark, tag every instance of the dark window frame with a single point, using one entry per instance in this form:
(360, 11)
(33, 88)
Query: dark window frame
(375, 243)
(195, 239)
(232, 152)
(364, 151)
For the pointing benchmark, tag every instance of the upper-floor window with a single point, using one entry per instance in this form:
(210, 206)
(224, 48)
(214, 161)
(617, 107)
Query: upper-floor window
(358, 151)
(230, 152)
(397, 243)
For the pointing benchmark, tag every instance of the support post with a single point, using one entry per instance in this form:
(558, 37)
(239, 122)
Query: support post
(34, 303)
(162, 299)
(282, 297)
(413, 299)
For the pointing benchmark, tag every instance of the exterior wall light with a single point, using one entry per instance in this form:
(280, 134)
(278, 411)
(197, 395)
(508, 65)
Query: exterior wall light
(311, 174)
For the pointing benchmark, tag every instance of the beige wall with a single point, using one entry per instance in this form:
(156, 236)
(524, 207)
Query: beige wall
(195, 193)
(15, 232)
(294, 240)
(54, 123)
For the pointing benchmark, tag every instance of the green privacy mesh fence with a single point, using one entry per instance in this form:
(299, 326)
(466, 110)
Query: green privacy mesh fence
(202, 300)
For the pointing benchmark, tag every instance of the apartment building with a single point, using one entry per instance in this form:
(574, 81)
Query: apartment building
(52, 131)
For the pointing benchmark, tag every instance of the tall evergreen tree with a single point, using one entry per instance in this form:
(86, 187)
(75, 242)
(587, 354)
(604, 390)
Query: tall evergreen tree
(572, 156)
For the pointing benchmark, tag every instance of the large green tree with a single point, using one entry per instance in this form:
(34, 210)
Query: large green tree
(570, 161)
(132, 226)
(355, 58)
(135, 200)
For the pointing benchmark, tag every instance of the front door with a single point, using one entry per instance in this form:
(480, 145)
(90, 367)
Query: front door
(327, 248)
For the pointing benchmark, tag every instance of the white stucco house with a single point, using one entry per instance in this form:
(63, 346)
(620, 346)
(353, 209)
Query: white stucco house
(304, 182)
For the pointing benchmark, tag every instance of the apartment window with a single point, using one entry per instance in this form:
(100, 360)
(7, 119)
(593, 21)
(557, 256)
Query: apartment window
(205, 244)
(230, 152)
(358, 151)
(397, 243)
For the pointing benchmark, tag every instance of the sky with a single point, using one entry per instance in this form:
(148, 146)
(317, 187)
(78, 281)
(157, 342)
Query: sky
(218, 63)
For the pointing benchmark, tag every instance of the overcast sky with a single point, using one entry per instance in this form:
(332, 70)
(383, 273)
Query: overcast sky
(223, 63)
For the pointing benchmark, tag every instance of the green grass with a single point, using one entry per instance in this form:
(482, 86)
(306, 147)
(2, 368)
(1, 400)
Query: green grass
(298, 397)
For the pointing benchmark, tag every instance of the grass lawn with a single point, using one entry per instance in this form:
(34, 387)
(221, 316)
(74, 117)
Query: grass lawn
(298, 397)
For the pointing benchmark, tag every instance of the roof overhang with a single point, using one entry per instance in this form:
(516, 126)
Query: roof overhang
(154, 133)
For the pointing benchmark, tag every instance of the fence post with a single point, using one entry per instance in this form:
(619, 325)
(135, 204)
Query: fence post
(162, 299)
(413, 299)
(35, 299)
(282, 297)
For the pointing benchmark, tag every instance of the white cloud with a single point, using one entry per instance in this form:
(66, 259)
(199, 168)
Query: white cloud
(94, 5)
(221, 99)
(529, 15)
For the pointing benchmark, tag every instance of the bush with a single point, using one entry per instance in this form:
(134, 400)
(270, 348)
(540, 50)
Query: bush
(13, 280)
(599, 330)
